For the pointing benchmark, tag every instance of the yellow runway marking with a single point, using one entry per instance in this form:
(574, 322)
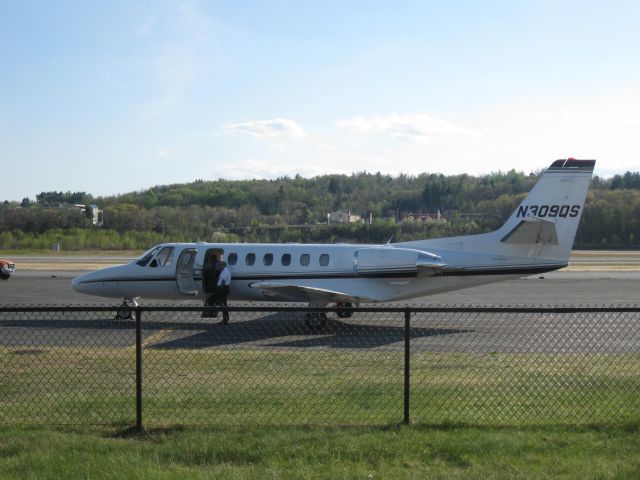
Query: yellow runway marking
(156, 337)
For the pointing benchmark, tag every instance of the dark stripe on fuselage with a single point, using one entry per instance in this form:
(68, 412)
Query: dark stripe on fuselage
(515, 270)
(140, 279)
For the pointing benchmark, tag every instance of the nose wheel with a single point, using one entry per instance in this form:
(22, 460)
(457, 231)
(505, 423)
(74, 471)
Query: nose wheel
(125, 310)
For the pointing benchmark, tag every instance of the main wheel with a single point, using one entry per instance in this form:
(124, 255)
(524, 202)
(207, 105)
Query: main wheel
(5, 276)
(342, 313)
(315, 319)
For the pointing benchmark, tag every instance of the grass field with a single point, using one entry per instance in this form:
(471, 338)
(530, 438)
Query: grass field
(269, 414)
(252, 386)
(458, 452)
(251, 412)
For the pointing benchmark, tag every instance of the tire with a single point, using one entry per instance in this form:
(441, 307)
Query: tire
(344, 313)
(5, 276)
(124, 313)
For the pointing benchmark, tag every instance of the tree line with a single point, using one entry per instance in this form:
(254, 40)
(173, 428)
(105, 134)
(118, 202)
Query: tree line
(295, 210)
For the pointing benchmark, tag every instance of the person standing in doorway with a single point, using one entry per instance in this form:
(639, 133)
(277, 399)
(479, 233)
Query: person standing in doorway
(209, 284)
(224, 282)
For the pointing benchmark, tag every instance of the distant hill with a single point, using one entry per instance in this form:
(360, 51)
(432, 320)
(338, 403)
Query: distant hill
(295, 209)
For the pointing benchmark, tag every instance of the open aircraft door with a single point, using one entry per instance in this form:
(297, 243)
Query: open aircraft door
(184, 273)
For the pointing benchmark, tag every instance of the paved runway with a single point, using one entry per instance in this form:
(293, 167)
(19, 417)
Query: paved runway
(611, 333)
(557, 288)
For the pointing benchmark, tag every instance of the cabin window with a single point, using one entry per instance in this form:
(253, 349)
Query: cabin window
(267, 259)
(250, 259)
(324, 260)
(305, 259)
(286, 259)
(165, 257)
(232, 259)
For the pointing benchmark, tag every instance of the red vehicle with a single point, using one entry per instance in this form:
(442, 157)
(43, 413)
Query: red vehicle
(7, 267)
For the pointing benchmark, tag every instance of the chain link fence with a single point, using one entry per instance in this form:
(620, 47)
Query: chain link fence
(379, 366)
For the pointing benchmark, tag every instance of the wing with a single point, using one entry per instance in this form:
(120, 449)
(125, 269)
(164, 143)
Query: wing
(301, 293)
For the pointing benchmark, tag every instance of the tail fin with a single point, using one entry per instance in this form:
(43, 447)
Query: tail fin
(544, 225)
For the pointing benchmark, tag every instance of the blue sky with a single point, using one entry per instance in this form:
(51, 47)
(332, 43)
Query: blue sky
(109, 97)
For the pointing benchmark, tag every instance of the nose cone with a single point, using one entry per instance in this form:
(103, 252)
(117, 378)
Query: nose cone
(82, 283)
(102, 283)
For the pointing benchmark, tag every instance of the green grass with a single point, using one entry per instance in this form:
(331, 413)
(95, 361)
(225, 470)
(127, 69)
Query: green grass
(254, 387)
(322, 452)
(273, 414)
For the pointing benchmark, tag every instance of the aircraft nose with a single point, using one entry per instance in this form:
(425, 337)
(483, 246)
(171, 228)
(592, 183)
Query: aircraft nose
(103, 283)
(78, 285)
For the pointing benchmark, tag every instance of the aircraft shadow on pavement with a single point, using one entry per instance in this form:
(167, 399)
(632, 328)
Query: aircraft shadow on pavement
(290, 330)
(335, 334)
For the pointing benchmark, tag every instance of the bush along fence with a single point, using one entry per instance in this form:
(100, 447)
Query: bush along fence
(365, 366)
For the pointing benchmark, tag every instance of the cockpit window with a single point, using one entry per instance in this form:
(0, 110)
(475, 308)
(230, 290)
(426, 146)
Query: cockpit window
(158, 256)
(165, 256)
(146, 257)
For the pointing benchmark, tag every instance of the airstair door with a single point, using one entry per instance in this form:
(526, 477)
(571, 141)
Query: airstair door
(184, 273)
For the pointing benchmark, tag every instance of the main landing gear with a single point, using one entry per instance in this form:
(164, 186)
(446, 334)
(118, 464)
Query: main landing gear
(125, 310)
(342, 309)
(319, 319)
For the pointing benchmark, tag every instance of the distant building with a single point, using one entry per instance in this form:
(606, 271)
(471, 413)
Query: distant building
(96, 215)
(343, 216)
(422, 217)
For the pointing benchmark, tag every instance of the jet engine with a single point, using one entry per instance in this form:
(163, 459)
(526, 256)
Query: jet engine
(373, 261)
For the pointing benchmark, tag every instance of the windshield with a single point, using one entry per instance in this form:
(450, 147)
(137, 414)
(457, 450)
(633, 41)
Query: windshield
(147, 256)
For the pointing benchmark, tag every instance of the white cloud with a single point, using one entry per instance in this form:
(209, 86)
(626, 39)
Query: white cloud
(530, 134)
(416, 126)
(269, 169)
(162, 153)
(326, 147)
(525, 135)
(277, 128)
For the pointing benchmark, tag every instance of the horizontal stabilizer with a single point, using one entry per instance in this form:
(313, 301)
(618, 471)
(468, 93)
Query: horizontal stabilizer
(301, 293)
(532, 231)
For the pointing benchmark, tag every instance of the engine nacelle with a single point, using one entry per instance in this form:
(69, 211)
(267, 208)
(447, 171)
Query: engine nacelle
(389, 260)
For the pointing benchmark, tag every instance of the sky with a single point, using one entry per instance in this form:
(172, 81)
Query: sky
(117, 96)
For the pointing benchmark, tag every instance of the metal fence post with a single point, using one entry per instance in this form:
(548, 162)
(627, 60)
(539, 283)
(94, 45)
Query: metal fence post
(407, 351)
(138, 369)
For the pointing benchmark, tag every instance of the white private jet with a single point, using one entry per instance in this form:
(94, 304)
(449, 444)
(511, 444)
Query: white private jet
(536, 238)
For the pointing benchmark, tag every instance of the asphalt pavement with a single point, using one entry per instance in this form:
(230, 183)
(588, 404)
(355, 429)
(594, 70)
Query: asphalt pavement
(467, 333)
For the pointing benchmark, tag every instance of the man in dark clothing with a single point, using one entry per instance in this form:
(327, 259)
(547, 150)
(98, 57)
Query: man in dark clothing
(210, 276)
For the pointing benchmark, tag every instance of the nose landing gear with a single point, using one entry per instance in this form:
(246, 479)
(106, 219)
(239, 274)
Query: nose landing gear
(125, 310)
